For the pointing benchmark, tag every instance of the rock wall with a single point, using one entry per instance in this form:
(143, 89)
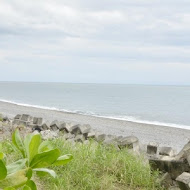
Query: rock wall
(175, 167)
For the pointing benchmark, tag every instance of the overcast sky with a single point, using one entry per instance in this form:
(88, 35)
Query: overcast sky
(98, 41)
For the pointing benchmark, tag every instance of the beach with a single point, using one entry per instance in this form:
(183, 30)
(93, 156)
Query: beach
(165, 136)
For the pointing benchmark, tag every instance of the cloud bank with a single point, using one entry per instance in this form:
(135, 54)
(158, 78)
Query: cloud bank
(115, 41)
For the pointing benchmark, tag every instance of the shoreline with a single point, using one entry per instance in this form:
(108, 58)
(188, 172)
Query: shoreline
(157, 123)
(165, 136)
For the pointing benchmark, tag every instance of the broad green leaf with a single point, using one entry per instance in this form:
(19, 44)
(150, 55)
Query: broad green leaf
(15, 180)
(45, 170)
(32, 142)
(29, 173)
(26, 187)
(9, 188)
(1, 155)
(45, 159)
(62, 160)
(45, 146)
(3, 170)
(31, 184)
(15, 166)
(17, 141)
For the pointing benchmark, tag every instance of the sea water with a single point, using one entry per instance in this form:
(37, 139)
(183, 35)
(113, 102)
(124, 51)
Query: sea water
(163, 105)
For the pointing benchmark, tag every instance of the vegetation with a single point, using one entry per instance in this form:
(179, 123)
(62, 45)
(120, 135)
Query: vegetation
(35, 156)
(94, 167)
(1, 117)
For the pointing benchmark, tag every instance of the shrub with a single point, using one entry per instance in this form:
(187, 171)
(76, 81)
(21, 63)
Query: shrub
(36, 157)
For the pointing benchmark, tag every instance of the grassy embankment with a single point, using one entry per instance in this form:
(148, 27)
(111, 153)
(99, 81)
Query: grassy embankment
(95, 167)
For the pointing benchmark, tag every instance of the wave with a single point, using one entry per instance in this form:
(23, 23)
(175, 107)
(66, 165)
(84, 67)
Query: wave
(121, 118)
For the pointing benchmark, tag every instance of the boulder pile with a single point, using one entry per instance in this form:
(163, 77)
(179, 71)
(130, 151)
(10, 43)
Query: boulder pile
(174, 167)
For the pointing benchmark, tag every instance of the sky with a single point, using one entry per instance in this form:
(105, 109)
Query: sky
(102, 41)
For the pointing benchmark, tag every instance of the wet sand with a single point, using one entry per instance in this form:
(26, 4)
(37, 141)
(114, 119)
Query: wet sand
(165, 136)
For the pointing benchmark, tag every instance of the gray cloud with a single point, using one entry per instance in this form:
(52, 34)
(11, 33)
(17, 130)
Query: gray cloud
(134, 40)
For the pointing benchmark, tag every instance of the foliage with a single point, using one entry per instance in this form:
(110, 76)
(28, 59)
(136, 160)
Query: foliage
(1, 117)
(35, 157)
(97, 167)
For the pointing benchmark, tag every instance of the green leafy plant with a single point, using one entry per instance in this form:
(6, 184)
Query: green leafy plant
(37, 155)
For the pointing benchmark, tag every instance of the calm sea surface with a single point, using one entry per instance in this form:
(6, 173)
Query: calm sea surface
(166, 105)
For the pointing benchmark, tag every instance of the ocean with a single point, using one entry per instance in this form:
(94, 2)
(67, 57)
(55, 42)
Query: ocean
(152, 104)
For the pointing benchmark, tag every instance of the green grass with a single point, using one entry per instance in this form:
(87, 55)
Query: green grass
(95, 167)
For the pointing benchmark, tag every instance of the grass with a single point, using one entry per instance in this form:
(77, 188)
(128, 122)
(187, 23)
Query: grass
(95, 167)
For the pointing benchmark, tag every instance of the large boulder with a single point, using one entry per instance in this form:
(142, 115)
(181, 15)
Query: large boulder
(184, 181)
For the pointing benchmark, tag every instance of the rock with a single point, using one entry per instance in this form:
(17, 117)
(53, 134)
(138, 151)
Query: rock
(79, 138)
(36, 128)
(65, 127)
(91, 135)
(6, 119)
(152, 148)
(100, 137)
(75, 129)
(170, 165)
(173, 188)
(54, 126)
(130, 142)
(18, 116)
(87, 142)
(47, 134)
(26, 118)
(166, 151)
(37, 120)
(183, 154)
(45, 125)
(69, 136)
(111, 142)
(184, 181)
(84, 129)
(166, 180)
